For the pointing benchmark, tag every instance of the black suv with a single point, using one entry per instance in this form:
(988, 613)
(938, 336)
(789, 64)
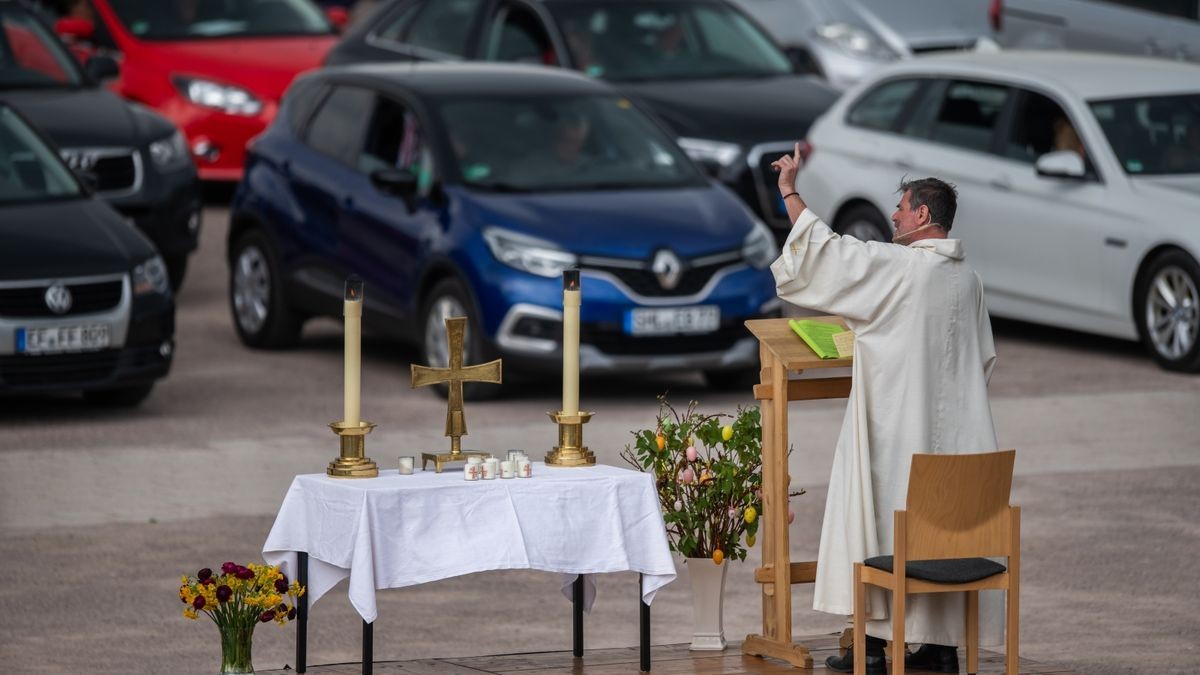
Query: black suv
(84, 300)
(137, 160)
(703, 66)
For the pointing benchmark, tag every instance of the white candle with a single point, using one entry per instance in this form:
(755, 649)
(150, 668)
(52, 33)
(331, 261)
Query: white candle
(352, 311)
(406, 465)
(571, 302)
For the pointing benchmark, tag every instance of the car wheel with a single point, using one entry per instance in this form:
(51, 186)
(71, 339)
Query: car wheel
(1168, 311)
(731, 380)
(260, 311)
(120, 397)
(863, 223)
(449, 298)
(176, 269)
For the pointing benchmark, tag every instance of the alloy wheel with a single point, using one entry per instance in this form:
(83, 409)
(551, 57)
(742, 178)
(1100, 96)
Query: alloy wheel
(437, 349)
(251, 289)
(1172, 312)
(863, 230)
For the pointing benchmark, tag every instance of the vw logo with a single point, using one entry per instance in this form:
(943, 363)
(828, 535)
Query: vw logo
(58, 299)
(667, 269)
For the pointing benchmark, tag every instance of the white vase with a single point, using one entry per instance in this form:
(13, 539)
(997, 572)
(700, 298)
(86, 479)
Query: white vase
(708, 598)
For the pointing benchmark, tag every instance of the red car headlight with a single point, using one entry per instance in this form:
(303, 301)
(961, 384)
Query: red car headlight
(224, 97)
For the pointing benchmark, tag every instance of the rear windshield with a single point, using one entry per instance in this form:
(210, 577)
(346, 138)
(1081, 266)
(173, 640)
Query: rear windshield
(197, 19)
(30, 171)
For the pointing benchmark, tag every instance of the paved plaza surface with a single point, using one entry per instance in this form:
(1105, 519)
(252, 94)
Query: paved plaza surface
(101, 511)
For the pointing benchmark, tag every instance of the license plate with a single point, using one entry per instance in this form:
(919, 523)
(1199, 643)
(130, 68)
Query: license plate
(673, 320)
(81, 338)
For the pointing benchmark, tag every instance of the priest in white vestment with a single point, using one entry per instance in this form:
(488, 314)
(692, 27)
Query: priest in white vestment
(923, 354)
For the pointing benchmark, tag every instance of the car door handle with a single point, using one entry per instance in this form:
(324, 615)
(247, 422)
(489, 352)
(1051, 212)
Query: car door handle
(1000, 184)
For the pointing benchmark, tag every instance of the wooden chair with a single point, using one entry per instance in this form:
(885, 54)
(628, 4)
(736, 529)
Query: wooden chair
(957, 516)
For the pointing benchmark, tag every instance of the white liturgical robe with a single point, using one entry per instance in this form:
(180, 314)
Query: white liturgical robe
(923, 354)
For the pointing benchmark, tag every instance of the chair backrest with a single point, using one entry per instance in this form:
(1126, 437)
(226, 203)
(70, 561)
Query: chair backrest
(958, 506)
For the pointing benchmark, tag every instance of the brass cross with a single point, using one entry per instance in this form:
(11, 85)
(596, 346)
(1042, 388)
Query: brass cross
(454, 376)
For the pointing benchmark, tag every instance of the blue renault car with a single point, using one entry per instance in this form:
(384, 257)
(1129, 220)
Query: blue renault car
(466, 190)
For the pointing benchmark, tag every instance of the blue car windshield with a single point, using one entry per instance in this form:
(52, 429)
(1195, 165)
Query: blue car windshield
(562, 143)
(29, 170)
(197, 19)
(634, 41)
(1153, 135)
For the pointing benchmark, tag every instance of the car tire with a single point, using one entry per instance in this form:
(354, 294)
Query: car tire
(448, 298)
(731, 380)
(119, 397)
(176, 269)
(257, 302)
(864, 223)
(1167, 310)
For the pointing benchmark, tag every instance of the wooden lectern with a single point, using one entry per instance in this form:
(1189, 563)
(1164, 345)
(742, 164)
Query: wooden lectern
(781, 352)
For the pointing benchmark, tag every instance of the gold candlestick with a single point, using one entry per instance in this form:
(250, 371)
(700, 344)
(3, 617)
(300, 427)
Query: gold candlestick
(352, 463)
(570, 450)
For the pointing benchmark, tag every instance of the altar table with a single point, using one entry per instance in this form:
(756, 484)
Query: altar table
(401, 530)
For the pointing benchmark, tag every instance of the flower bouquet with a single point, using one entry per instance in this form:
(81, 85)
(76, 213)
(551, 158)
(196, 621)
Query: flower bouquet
(708, 476)
(237, 600)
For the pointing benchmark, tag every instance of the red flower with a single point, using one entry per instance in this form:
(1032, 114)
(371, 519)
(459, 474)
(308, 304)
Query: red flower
(282, 608)
(291, 614)
(266, 616)
(198, 603)
(229, 568)
(204, 574)
(224, 593)
(208, 582)
(245, 573)
(281, 586)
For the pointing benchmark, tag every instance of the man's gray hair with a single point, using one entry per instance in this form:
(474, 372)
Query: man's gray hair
(939, 196)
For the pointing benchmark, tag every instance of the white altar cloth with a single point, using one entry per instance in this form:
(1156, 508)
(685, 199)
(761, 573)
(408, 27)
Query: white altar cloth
(395, 531)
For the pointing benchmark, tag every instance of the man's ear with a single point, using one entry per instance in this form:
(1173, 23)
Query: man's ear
(923, 217)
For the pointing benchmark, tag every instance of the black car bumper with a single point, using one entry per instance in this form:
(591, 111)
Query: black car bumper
(166, 210)
(145, 357)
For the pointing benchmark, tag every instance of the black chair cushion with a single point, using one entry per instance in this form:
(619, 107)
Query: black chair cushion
(949, 571)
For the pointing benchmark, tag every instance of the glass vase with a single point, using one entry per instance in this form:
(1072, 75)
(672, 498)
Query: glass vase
(235, 650)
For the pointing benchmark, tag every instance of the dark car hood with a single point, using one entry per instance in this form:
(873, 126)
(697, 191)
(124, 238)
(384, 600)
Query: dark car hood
(745, 111)
(75, 237)
(60, 115)
(625, 224)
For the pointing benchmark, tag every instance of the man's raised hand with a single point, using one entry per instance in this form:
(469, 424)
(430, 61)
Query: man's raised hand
(787, 166)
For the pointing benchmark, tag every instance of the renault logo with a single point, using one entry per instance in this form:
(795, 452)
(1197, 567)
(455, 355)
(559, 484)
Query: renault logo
(58, 299)
(667, 269)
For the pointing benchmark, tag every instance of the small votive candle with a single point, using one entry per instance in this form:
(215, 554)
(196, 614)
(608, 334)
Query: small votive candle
(491, 468)
(474, 459)
(508, 469)
(472, 470)
(524, 468)
(514, 455)
(406, 466)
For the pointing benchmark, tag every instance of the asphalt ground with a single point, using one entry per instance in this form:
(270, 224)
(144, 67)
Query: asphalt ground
(101, 511)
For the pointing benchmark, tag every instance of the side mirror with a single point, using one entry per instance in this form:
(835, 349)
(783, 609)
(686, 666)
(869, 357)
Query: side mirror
(399, 182)
(75, 29)
(338, 16)
(101, 68)
(1061, 164)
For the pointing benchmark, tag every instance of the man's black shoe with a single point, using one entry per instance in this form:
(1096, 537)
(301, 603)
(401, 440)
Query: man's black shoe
(937, 658)
(876, 664)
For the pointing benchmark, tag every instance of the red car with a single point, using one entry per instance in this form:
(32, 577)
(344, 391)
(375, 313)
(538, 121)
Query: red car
(216, 68)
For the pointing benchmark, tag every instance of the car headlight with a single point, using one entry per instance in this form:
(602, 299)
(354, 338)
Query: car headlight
(224, 97)
(151, 277)
(528, 254)
(716, 152)
(759, 247)
(170, 152)
(856, 41)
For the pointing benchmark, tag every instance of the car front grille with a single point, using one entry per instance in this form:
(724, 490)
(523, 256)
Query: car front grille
(118, 171)
(30, 301)
(640, 278)
(58, 369)
(612, 340)
(770, 205)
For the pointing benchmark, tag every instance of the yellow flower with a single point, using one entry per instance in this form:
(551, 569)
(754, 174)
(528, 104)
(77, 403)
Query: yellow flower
(726, 433)
(190, 613)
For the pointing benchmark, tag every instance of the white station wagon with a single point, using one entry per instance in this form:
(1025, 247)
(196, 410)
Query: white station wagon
(1078, 178)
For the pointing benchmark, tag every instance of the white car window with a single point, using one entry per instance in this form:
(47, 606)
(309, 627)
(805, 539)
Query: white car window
(968, 114)
(882, 107)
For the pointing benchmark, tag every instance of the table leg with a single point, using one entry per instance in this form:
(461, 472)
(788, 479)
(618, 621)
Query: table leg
(577, 610)
(644, 621)
(368, 648)
(302, 613)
